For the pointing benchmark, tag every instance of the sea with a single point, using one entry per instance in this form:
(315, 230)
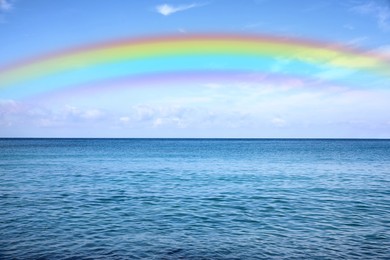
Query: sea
(194, 199)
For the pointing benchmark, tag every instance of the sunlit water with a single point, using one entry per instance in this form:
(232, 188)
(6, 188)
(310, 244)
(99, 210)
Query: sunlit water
(194, 199)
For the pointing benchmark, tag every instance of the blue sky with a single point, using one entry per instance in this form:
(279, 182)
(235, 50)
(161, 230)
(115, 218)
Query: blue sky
(206, 109)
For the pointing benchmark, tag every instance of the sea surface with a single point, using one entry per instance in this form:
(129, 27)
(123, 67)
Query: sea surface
(194, 199)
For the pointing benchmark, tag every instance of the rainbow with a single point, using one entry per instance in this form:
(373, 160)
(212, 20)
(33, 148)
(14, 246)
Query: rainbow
(190, 57)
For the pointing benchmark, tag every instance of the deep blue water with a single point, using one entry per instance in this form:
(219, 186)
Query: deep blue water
(194, 199)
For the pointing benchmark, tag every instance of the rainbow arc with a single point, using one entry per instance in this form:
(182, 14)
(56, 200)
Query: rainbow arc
(191, 56)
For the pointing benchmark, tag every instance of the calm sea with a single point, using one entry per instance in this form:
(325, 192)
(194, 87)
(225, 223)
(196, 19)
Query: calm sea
(194, 199)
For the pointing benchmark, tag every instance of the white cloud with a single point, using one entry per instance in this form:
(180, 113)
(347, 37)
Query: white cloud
(167, 9)
(164, 115)
(92, 114)
(76, 115)
(124, 119)
(157, 122)
(380, 12)
(5, 5)
(8, 106)
(279, 122)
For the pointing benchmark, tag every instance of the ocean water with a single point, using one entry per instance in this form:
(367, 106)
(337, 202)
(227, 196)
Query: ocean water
(194, 199)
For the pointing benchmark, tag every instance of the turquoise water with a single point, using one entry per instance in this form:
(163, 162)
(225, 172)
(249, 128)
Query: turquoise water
(194, 199)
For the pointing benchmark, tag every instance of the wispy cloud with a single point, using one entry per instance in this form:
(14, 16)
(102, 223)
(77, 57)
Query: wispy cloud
(279, 122)
(253, 111)
(5, 5)
(18, 113)
(357, 41)
(382, 51)
(380, 12)
(166, 9)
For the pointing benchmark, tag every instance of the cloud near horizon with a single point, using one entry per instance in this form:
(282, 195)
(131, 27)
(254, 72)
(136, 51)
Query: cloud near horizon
(166, 9)
(255, 111)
